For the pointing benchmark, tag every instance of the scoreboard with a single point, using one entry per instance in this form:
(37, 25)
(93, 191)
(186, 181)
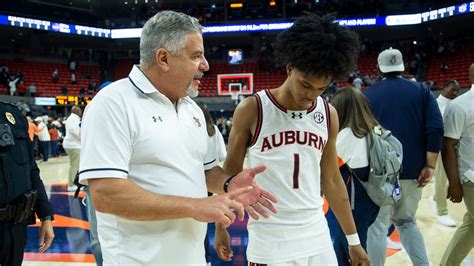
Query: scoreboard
(72, 100)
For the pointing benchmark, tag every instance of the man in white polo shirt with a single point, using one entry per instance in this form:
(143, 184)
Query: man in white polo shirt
(72, 144)
(458, 160)
(144, 155)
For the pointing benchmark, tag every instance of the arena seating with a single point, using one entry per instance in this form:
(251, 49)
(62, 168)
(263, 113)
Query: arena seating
(40, 73)
(458, 65)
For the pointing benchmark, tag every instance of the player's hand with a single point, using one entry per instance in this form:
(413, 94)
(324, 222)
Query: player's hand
(455, 192)
(358, 256)
(258, 197)
(46, 235)
(222, 243)
(220, 208)
(425, 176)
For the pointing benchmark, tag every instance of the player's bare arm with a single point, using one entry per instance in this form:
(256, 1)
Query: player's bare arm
(244, 123)
(334, 189)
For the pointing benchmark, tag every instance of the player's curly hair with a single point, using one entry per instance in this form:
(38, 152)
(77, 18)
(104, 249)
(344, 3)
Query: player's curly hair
(316, 45)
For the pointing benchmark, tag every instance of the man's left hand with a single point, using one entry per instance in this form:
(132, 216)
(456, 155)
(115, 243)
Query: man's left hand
(358, 256)
(425, 176)
(46, 235)
(258, 197)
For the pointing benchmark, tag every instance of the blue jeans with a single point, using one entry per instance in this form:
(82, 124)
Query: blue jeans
(44, 149)
(364, 212)
(94, 237)
(54, 148)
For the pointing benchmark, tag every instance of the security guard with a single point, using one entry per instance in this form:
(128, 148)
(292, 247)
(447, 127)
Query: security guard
(22, 192)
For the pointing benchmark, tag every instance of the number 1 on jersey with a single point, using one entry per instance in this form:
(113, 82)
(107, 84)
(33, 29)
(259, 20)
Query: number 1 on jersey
(296, 171)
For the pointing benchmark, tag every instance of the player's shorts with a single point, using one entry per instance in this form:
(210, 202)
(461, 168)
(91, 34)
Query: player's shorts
(327, 258)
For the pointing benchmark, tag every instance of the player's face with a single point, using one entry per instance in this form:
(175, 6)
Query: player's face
(305, 88)
(189, 65)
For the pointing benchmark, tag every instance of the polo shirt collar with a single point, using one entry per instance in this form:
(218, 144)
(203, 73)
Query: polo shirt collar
(141, 82)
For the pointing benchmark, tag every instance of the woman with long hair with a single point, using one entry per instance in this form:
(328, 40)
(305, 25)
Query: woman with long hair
(356, 124)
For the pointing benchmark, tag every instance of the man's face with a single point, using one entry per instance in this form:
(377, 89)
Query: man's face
(451, 91)
(187, 67)
(305, 88)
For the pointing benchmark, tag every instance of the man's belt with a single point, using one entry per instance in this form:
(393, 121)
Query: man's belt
(19, 209)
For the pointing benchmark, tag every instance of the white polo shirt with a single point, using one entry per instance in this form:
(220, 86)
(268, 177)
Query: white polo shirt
(459, 124)
(130, 130)
(72, 140)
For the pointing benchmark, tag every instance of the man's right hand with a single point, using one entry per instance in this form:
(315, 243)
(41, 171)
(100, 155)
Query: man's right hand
(220, 208)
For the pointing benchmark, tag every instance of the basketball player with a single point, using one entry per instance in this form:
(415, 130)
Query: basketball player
(293, 131)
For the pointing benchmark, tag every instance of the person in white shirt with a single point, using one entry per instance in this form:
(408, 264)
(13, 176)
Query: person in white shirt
(356, 122)
(216, 144)
(438, 200)
(458, 160)
(72, 143)
(43, 138)
(144, 155)
(215, 136)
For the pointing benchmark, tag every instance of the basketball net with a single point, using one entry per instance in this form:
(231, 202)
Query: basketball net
(234, 95)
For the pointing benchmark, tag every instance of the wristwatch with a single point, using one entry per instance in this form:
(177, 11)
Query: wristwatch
(47, 217)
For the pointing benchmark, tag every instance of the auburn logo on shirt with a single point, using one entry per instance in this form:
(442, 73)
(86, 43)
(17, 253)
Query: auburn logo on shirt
(197, 121)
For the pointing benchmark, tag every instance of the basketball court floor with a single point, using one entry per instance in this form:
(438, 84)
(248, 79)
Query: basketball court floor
(71, 244)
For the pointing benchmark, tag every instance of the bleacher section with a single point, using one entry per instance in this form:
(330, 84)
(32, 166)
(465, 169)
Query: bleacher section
(40, 73)
(458, 68)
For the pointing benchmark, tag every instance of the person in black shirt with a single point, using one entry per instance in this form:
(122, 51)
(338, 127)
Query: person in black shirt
(22, 193)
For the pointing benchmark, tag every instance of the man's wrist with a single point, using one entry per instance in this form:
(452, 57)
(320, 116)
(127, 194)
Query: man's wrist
(430, 166)
(227, 183)
(46, 218)
(353, 240)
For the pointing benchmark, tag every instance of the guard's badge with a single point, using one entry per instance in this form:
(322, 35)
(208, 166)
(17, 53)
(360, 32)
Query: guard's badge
(10, 118)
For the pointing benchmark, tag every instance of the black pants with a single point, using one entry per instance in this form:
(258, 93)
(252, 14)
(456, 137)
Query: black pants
(12, 242)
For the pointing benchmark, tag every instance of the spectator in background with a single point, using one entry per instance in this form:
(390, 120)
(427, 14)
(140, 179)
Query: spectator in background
(357, 82)
(438, 200)
(43, 137)
(55, 75)
(21, 88)
(72, 143)
(32, 90)
(356, 125)
(458, 160)
(64, 89)
(91, 88)
(73, 78)
(421, 144)
(54, 134)
(32, 128)
(73, 65)
(443, 68)
(12, 85)
(217, 145)
(4, 75)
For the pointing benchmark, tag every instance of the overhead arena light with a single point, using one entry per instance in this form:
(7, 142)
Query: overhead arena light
(236, 5)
